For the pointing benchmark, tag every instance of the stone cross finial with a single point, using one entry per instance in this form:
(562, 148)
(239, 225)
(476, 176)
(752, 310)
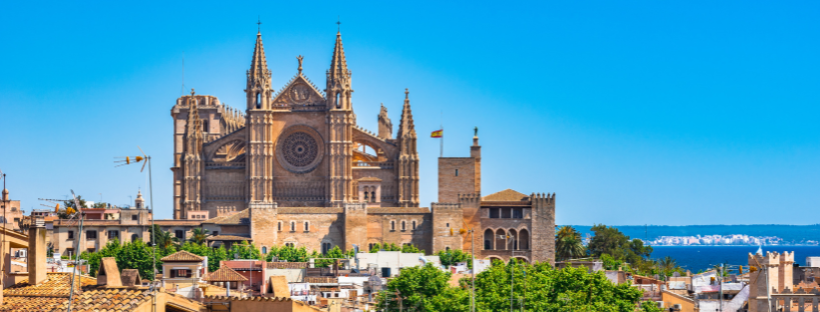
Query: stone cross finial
(259, 24)
(339, 25)
(475, 131)
(406, 93)
(192, 92)
(300, 58)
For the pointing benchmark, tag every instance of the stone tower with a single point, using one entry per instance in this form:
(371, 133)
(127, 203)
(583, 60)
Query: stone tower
(192, 162)
(259, 153)
(460, 175)
(340, 121)
(408, 164)
(139, 203)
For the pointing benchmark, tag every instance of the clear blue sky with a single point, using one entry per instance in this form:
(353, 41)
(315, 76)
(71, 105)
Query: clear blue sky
(633, 112)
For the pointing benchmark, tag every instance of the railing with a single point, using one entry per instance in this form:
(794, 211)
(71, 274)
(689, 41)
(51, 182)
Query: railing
(374, 164)
(224, 165)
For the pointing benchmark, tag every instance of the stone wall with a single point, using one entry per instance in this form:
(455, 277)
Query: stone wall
(447, 218)
(450, 184)
(355, 226)
(263, 217)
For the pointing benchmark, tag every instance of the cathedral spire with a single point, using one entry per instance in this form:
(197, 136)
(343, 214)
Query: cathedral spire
(338, 78)
(258, 88)
(406, 127)
(259, 64)
(338, 65)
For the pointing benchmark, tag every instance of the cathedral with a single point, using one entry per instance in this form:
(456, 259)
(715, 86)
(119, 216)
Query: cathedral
(293, 168)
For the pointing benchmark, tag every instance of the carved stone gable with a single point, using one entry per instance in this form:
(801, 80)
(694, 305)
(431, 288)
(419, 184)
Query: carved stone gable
(299, 93)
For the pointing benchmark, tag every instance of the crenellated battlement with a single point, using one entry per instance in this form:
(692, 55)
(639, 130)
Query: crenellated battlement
(469, 198)
(542, 200)
(444, 206)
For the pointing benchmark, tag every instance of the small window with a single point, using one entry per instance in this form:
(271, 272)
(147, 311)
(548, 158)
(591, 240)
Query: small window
(403, 225)
(392, 225)
(215, 233)
(135, 237)
(113, 234)
(517, 213)
(448, 224)
(373, 197)
(91, 234)
(293, 226)
(506, 213)
(494, 213)
(414, 224)
(307, 226)
(456, 172)
(134, 217)
(179, 234)
(70, 234)
(447, 248)
(16, 220)
(326, 248)
(279, 226)
(290, 244)
(264, 250)
(365, 196)
(204, 126)
(259, 100)
(370, 246)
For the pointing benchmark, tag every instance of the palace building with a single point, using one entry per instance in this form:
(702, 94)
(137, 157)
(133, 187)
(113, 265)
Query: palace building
(294, 168)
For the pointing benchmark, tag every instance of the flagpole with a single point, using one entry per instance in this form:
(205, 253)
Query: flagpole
(441, 149)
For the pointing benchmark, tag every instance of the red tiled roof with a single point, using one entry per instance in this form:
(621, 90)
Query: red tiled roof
(505, 195)
(225, 274)
(182, 255)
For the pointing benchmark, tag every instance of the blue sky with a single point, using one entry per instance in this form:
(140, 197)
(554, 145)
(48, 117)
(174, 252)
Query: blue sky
(633, 112)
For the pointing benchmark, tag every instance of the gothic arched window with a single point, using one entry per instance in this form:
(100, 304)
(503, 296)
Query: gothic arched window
(259, 100)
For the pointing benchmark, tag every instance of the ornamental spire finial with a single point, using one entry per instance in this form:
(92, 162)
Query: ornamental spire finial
(300, 58)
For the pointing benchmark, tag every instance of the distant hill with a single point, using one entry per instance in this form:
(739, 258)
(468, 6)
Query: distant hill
(789, 233)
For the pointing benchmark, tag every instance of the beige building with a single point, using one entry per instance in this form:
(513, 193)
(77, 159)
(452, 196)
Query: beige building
(294, 168)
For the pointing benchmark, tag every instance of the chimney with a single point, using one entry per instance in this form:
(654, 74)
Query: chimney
(109, 274)
(131, 277)
(37, 251)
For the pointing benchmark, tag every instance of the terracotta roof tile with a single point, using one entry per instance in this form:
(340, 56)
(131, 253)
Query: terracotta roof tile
(225, 274)
(239, 218)
(52, 295)
(182, 255)
(506, 195)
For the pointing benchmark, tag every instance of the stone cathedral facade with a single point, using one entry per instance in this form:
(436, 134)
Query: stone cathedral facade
(294, 168)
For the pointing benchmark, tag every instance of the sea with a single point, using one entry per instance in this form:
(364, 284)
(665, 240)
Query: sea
(696, 258)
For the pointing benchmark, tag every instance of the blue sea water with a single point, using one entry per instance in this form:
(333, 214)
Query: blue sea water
(695, 258)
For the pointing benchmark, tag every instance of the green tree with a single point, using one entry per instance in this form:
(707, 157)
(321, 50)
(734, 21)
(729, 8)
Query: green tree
(568, 244)
(165, 241)
(199, 235)
(543, 288)
(333, 253)
(409, 248)
(423, 288)
(288, 253)
(610, 240)
(217, 255)
(453, 256)
(376, 247)
(137, 255)
(244, 250)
